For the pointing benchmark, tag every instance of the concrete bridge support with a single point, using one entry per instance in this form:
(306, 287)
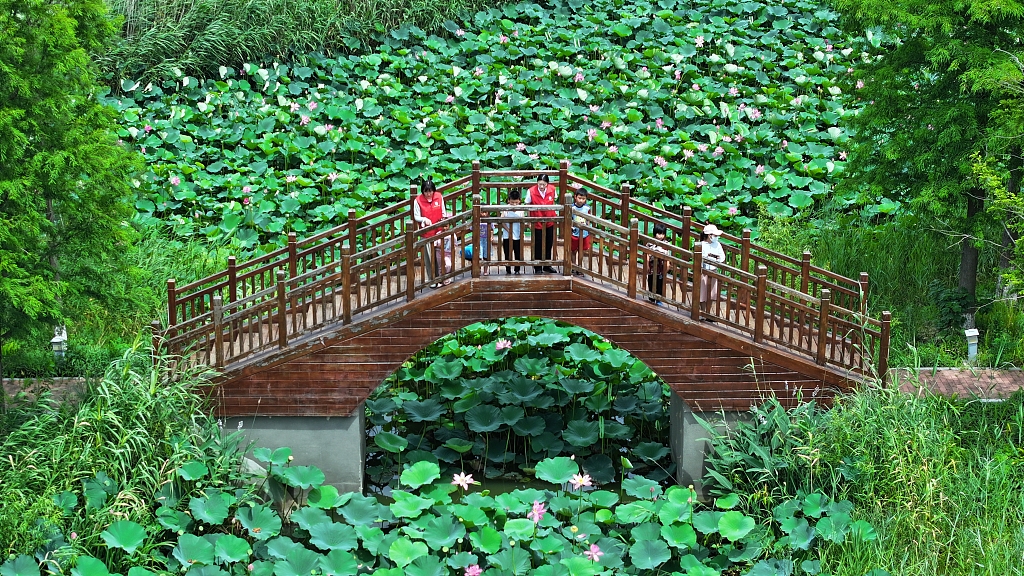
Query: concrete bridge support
(689, 441)
(334, 444)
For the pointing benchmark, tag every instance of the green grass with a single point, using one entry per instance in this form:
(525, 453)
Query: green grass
(198, 36)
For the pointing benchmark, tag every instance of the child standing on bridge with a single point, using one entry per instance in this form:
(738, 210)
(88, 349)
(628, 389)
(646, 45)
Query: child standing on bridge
(512, 232)
(580, 239)
(655, 265)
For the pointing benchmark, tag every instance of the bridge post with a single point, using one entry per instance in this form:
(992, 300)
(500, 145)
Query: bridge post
(762, 285)
(282, 318)
(805, 271)
(567, 263)
(823, 306)
(745, 251)
(410, 266)
(172, 304)
(218, 330)
(687, 217)
(353, 225)
(883, 348)
(475, 179)
(293, 253)
(698, 269)
(346, 283)
(634, 241)
(863, 293)
(475, 232)
(232, 278)
(624, 206)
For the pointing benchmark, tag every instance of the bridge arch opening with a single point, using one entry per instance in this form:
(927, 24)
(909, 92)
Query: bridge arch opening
(494, 397)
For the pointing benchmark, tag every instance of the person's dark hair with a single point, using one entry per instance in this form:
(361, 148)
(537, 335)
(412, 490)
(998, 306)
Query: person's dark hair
(514, 195)
(544, 178)
(580, 192)
(703, 237)
(428, 186)
(660, 228)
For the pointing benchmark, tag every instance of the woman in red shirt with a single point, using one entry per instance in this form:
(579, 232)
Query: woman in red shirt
(542, 194)
(426, 210)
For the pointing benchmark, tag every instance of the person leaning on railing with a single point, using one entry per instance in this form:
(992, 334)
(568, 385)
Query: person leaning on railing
(713, 253)
(428, 209)
(542, 194)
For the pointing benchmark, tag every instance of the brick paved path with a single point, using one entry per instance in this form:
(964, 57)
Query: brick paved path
(964, 382)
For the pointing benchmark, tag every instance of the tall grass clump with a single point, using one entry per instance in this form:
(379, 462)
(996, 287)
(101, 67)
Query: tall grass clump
(198, 36)
(70, 468)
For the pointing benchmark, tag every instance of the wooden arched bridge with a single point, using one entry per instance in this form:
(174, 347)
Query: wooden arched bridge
(313, 328)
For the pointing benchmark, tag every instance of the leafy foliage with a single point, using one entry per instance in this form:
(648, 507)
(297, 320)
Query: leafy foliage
(718, 106)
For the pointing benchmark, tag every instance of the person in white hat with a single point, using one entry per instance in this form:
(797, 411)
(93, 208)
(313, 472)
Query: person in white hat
(713, 253)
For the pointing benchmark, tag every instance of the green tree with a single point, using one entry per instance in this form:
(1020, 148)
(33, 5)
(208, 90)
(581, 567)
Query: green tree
(64, 179)
(933, 82)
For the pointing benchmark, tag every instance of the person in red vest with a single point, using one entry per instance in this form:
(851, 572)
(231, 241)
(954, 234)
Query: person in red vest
(426, 210)
(542, 194)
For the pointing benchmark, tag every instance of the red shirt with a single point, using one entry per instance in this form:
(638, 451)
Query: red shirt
(546, 199)
(432, 210)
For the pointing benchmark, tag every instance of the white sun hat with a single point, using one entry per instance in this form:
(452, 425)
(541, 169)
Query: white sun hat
(712, 230)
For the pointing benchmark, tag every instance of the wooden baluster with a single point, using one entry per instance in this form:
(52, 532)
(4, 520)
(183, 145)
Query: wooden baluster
(346, 284)
(155, 330)
(172, 304)
(883, 348)
(762, 285)
(685, 233)
(410, 265)
(863, 293)
(633, 268)
(567, 263)
(624, 206)
(218, 330)
(282, 316)
(823, 306)
(697, 272)
(805, 271)
(475, 232)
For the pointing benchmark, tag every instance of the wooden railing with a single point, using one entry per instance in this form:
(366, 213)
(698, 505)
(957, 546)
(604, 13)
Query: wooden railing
(379, 260)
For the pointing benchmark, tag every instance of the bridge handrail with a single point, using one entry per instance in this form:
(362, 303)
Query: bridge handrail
(280, 282)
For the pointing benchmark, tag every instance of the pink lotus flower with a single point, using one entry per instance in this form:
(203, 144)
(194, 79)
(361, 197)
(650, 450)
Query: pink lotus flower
(860, 84)
(842, 155)
(594, 108)
(755, 113)
(661, 161)
(702, 147)
(520, 147)
(594, 554)
(515, 33)
(175, 180)
(726, 139)
(147, 128)
(785, 143)
(328, 127)
(586, 118)
(294, 106)
(679, 74)
(290, 179)
(478, 71)
(246, 189)
(695, 86)
(534, 156)
(732, 212)
(613, 149)
(688, 153)
(579, 481)
(537, 514)
(311, 106)
(474, 570)
(143, 149)
(849, 70)
(644, 69)
(578, 77)
(502, 344)
(304, 120)
(759, 170)
(333, 176)
(739, 138)
(659, 123)
(460, 32)
(449, 99)
(700, 42)
(734, 91)
(743, 105)
(590, 134)
(718, 151)
(502, 39)
(828, 47)
(606, 124)
(462, 480)
(74, 535)
(701, 183)
(245, 201)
